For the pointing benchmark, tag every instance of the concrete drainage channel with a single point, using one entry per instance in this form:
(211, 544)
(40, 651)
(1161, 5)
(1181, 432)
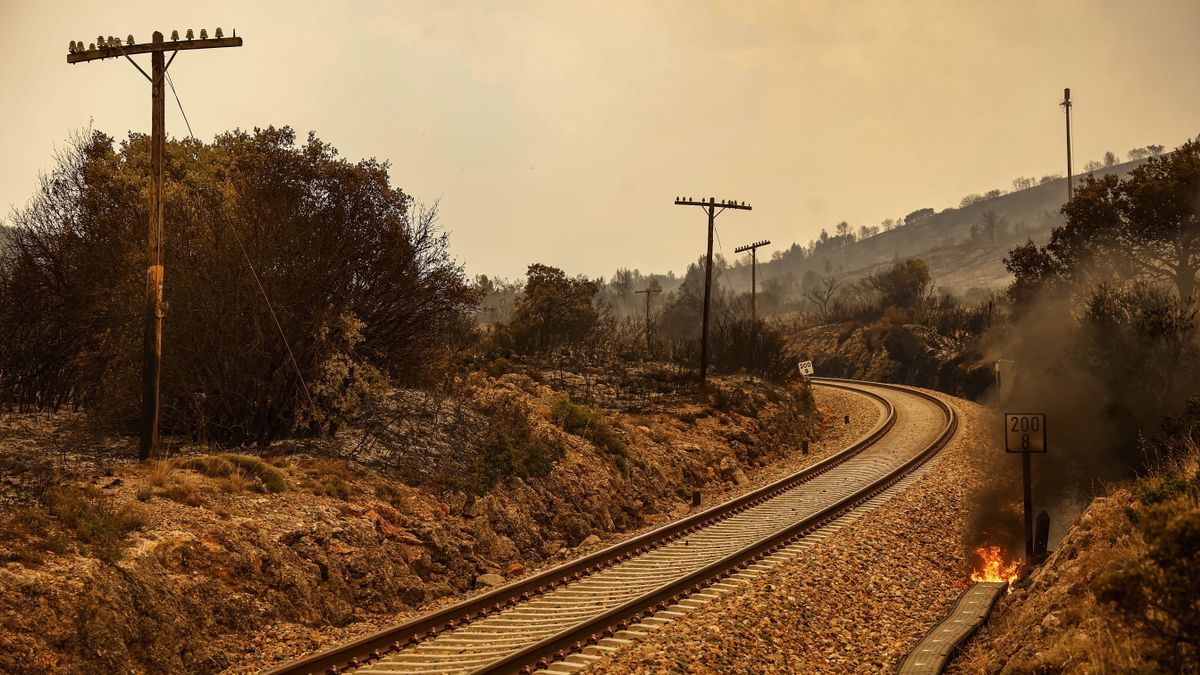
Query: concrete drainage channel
(933, 652)
(566, 618)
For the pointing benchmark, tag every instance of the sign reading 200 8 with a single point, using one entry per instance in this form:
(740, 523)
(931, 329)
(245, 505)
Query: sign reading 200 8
(1025, 432)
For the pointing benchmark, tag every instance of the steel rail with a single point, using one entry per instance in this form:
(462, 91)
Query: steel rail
(573, 640)
(374, 646)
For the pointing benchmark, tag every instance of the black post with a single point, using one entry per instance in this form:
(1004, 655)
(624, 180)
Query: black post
(1026, 471)
(1041, 537)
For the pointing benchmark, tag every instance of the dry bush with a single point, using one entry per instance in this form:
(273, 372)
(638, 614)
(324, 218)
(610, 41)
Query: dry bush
(185, 490)
(1156, 590)
(509, 448)
(587, 423)
(359, 279)
(97, 523)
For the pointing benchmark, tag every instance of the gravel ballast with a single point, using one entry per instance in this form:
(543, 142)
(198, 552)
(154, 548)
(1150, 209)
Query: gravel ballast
(856, 602)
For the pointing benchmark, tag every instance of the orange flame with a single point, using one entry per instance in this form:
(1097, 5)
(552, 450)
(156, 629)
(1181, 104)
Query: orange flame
(992, 567)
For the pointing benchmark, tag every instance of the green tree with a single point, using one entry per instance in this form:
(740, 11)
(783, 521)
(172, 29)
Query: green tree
(553, 310)
(1141, 228)
(904, 285)
(359, 279)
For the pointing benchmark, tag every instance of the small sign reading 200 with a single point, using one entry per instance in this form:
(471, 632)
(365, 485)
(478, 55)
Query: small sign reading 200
(1025, 432)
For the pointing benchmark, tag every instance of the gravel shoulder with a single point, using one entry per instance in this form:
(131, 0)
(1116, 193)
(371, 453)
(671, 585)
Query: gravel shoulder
(854, 603)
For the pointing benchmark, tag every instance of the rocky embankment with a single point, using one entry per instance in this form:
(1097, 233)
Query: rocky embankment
(120, 567)
(1119, 594)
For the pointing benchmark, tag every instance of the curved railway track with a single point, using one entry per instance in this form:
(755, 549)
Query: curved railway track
(562, 618)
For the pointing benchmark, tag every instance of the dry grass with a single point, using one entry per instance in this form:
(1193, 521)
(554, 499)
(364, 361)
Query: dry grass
(159, 474)
(186, 490)
(237, 472)
(328, 478)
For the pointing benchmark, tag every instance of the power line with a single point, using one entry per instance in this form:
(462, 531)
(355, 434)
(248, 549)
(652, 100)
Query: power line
(724, 263)
(753, 249)
(177, 102)
(270, 308)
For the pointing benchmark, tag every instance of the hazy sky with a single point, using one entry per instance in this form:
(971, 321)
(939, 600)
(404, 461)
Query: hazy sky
(560, 132)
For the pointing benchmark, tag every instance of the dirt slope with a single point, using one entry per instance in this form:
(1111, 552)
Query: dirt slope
(131, 568)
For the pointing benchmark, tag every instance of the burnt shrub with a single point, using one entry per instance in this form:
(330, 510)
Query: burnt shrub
(742, 345)
(358, 278)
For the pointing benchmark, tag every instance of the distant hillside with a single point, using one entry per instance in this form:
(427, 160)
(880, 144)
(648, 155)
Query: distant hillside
(957, 259)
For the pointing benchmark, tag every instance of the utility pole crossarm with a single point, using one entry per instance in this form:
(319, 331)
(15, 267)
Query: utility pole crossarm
(751, 247)
(688, 201)
(150, 47)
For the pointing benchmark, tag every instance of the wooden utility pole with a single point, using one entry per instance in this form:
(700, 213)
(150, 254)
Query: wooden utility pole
(710, 207)
(111, 47)
(648, 291)
(1066, 104)
(753, 248)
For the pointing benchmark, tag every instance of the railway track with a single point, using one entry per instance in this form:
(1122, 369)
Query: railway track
(564, 618)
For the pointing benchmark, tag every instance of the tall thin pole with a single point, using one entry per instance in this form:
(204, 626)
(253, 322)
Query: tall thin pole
(707, 291)
(152, 333)
(753, 248)
(1066, 104)
(1027, 479)
(152, 339)
(647, 321)
(754, 285)
(648, 291)
(710, 207)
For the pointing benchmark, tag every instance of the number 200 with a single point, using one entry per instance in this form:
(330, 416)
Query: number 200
(1026, 424)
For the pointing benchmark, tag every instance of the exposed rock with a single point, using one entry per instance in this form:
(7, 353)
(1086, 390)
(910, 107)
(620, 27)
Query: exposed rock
(489, 581)
(590, 540)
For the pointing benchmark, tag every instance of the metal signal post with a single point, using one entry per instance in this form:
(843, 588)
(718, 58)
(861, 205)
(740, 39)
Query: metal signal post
(710, 207)
(753, 248)
(1026, 433)
(111, 47)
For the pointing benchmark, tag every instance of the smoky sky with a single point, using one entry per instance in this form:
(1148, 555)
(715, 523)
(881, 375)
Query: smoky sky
(560, 132)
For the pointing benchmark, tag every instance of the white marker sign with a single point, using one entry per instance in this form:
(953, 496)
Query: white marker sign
(806, 368)
(1025, 432)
